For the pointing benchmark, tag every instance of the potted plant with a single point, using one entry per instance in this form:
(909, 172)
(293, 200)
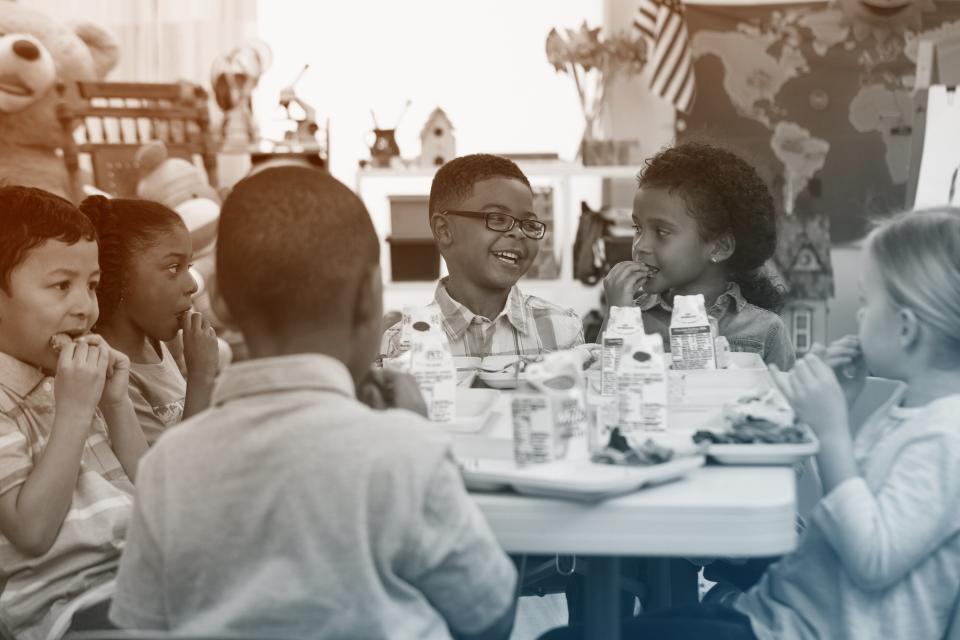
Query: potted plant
(595, 62)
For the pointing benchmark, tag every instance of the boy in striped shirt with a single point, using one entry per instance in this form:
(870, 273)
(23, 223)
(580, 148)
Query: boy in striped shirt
(66, 459)
(481, 215)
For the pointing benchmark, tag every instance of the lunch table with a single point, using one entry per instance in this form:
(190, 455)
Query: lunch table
(734, 511)
(713, 511)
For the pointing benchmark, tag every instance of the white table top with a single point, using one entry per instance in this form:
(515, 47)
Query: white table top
(716, 510)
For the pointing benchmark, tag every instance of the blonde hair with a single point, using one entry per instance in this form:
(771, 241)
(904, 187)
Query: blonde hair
(917, 254)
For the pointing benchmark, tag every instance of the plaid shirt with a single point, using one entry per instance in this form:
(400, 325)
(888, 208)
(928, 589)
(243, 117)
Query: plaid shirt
(528, 325)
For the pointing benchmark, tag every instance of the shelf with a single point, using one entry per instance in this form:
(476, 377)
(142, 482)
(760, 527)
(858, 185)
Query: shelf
(544, 168)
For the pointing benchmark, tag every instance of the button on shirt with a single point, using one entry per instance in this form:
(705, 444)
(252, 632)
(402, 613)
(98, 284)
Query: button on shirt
(289, 509)
(746, 326)
(528, 325)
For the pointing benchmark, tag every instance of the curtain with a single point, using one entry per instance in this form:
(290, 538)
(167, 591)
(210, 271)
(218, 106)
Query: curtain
(163, 40)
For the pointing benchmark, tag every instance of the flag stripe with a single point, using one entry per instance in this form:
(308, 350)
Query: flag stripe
(668, 57)
(671, 75)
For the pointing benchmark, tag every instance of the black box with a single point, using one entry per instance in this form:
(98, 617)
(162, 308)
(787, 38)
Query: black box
(413, 259)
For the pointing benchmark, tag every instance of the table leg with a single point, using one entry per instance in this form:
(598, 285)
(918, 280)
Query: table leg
(602, 615)
(671, 582)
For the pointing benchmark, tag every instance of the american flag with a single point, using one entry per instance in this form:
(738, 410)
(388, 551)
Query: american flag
(661, 22)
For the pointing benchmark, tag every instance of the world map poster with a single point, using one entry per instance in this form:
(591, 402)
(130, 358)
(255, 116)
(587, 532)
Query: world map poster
(820, 96)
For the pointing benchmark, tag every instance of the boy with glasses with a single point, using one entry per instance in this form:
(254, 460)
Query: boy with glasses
(481, 215)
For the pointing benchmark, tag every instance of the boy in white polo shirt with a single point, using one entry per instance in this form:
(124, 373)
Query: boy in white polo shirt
(290, 509)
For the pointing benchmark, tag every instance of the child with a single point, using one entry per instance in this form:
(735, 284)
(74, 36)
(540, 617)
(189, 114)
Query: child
(704, 224)
(291, 509)
(481, 214)
(69, 439)
(145, 299)
(880, 557)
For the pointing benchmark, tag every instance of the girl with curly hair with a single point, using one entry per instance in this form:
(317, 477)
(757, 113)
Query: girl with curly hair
(145, 296)
(705, 223)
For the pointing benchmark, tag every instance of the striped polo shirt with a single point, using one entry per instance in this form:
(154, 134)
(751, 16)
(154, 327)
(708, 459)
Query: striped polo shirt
(528, 325)
(40, 593)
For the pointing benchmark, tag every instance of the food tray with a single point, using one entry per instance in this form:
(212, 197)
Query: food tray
(579, 480)
(746, 375)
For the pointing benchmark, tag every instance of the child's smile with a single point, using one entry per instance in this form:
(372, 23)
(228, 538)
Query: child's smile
(493, 259)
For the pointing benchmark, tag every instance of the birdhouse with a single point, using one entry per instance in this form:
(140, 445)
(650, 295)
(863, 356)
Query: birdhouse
(437, 145)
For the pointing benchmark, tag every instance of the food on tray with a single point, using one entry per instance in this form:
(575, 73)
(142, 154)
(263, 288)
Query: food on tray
(622, 451)
(761, 418)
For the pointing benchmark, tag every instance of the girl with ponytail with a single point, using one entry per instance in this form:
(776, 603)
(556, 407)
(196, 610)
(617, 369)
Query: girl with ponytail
(145, 297)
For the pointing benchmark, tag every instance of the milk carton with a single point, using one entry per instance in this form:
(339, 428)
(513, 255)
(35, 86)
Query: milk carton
(642, 385)
(431, 363)
(691, 336)
(413, 314)
(535, 436)
(625, 324)
(559, 376)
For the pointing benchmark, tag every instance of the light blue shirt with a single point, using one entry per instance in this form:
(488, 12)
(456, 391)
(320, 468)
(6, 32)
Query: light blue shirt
(289, 509)
(881, 555)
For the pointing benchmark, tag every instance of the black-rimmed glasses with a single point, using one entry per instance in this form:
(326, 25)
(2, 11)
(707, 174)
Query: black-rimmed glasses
(503, 222)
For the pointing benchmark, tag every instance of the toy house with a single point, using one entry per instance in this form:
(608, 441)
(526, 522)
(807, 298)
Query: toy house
(437, 145)
(803, 263)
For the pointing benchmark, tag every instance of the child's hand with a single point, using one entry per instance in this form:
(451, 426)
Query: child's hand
(845, 357)
(623, 281)
(201, 353)
(813, 391)
(391, 389)
(80, 378)
(118, 370)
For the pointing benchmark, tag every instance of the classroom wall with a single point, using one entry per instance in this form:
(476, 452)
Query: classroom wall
(484, 63)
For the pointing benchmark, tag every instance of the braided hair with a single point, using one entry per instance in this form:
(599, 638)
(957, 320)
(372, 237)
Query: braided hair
(124, 227)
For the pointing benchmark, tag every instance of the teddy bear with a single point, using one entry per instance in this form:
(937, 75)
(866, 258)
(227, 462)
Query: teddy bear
(37, 52)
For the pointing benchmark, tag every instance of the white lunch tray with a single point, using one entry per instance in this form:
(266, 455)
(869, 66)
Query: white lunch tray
(580, 480)
(759, 453)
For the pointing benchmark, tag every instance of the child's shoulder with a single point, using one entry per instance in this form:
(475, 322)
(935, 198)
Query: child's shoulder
(941, 415)
(537, 303)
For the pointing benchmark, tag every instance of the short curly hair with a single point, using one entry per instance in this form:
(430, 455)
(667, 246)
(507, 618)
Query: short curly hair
(453, 182)
(724, 194)
(28, 218)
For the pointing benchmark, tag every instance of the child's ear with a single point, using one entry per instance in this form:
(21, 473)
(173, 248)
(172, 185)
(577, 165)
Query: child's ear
(909, 332)
(723, 248)
(440, 226)
(368, 304)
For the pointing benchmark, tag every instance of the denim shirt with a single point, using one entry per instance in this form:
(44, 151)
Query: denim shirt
(746, 326)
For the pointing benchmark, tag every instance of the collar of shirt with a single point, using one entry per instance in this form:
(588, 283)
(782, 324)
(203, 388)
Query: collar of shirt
(301, 372)
(731, 295)
(457, 318)
(18, 376)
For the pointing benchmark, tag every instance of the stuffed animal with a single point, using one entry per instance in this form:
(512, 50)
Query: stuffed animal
(183, 187)
(36, 52)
